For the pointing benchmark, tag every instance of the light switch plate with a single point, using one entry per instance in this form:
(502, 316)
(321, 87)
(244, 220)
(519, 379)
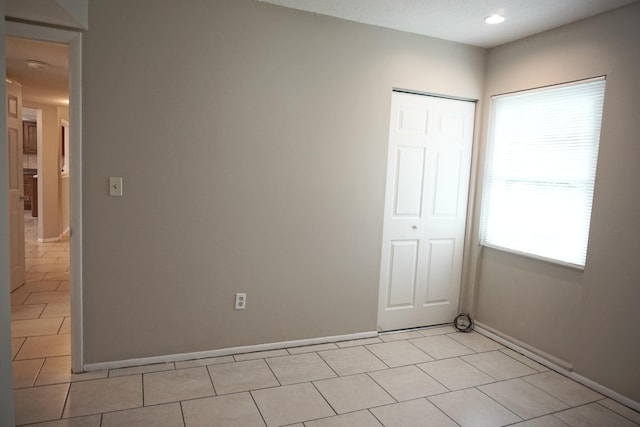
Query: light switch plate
(115, 186)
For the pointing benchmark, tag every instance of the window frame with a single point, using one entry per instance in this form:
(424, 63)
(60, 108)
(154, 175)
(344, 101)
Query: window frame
(489, 176)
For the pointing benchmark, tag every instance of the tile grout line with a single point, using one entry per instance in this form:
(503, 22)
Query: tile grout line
(215, 392)
(313, 384)
(599, 402)
(142, 386)
(184, 422)
(327, 363)
(499, 403)
(253, 399)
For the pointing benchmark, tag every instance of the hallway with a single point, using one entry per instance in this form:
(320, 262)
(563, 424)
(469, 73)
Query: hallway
(40, 319)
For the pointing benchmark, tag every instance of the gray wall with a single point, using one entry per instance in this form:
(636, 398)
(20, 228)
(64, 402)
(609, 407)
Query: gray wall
(252, 141)
(6, 373)
(587, 318)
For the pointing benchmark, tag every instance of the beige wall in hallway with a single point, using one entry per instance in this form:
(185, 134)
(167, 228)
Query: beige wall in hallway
(63, 203)
(252, 140)
(588, 318)
(50, 187)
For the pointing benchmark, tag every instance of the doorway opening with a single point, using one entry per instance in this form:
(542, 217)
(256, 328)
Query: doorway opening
(59, 223)
(41, 305)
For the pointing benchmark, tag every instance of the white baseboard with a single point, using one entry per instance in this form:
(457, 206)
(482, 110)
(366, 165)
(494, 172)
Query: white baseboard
(48, 239)
(89, 367)
(553, 363)
(55, 239)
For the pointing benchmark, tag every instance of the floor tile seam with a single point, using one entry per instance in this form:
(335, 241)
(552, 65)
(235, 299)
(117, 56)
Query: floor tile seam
(415, 346)
(374, 415)
(441, 410)
(491, 376)
(335, 412)
(375, 382)
(141, 387)
(213, 385)
(115, 411)
(353, 373)
(35, 379)
(554, 396)
(253, 399)
(591, 403)
(429, 354)
(383, 388)
(66, 399)
(433, 378)
(102, 379)
(369, 408)
(212, 364)
(363, 372)
(504, 406)
(305, 381)
(327, 363)
(260, 358)
(425, 398)
(489, 351)
(339, 415)
(599, 402)
(13, 359)
(538, 417)
(376, 356)
(271, 370)
(535, 369)
(141, 373)
(184, 422)
(554, 413)
(173, 401)
(38, 318)
(524, 378)
(55, 383)
(251, 389)
(540, 390)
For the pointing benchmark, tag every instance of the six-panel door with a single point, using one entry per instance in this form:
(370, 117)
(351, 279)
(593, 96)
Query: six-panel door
(430, 143)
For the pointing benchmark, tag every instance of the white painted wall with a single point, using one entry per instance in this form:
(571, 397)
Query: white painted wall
(587, 318)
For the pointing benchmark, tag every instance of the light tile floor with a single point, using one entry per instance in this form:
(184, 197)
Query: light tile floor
(428, 377)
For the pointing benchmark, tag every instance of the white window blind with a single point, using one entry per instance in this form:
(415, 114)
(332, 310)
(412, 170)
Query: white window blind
(540, 171)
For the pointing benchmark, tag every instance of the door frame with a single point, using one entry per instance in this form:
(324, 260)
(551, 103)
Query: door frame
(73, 39)
(468, 214)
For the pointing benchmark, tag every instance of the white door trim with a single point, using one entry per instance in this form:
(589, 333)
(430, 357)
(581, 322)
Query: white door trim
(74, 40)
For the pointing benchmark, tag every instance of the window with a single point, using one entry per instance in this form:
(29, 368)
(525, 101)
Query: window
(540, 170)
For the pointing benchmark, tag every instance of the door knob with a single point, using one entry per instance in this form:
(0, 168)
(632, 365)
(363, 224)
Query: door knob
(21, 197)
(415, 227)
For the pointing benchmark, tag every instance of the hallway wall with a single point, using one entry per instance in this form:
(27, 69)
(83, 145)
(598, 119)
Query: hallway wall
(6, 369)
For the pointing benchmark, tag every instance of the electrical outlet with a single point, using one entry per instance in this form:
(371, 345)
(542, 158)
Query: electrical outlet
(241, 301)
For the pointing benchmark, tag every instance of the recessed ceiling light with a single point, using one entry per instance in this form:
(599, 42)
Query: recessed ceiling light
(37, 65)
(494, 19)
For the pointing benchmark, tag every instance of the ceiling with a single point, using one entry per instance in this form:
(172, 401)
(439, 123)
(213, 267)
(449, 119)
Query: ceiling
(48, 86)
(460, 20)
(463, 23)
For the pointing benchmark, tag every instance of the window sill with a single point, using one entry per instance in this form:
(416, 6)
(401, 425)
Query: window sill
(532, 256)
